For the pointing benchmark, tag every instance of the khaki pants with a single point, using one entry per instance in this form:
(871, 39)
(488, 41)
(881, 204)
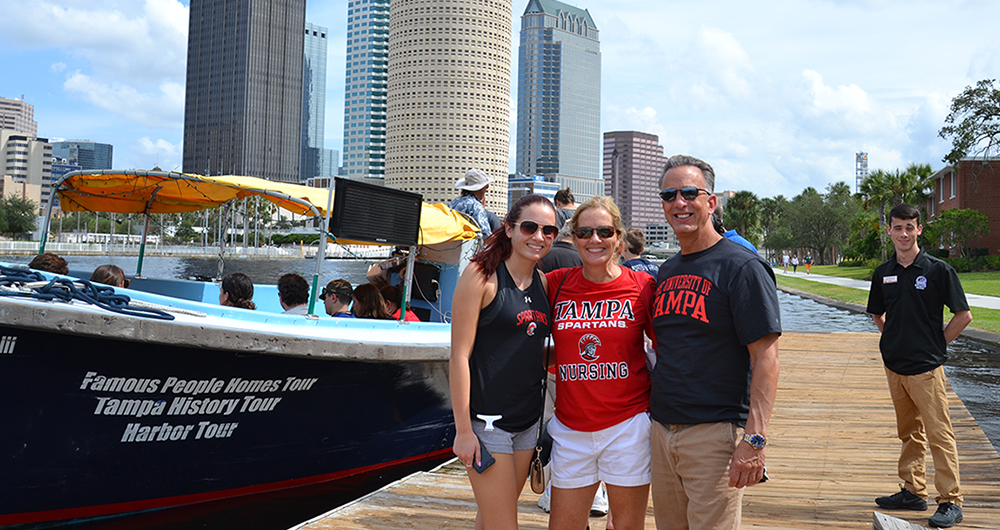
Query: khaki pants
(921, 417)
(690, 468)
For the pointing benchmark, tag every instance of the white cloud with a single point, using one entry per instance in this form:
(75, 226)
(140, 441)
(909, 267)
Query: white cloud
(843, 112)
(58, 67)
(161, 108)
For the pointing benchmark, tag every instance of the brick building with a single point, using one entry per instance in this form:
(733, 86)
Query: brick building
(974, 184)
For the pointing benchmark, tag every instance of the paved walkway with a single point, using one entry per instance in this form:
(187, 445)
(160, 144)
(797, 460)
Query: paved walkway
(975, 300)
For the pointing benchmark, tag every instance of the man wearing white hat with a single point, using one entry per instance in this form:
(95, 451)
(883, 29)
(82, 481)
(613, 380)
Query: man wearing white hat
(474, 185)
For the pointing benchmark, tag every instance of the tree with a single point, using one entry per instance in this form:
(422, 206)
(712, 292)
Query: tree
(776, 236)
(876, 193)
(19, 215)
(959, 227)
(742, 213)
(973, 125)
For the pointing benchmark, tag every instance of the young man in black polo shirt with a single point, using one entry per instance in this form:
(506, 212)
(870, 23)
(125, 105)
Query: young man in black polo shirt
(907, 299)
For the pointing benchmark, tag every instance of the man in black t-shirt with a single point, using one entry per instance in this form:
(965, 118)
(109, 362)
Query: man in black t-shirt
(716, 318)
(907, 298)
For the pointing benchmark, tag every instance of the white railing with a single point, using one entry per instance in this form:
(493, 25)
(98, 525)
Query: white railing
(129, 249)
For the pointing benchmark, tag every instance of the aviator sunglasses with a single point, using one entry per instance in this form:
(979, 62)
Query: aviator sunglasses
(689, 193)
(603, 232)
(528, 228)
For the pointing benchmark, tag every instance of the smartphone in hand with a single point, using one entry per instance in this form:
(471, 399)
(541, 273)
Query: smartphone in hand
(486, 459)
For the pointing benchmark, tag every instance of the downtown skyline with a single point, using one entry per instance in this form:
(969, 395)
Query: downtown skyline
(776, 100)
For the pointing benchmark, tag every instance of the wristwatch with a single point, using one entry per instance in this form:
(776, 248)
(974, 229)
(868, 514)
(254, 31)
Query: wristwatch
(757, 441)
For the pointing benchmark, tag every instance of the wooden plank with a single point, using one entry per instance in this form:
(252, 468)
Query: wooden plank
(832, 449)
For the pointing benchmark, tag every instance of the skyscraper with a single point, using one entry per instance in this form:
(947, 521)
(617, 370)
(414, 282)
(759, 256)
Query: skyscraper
(17, 115)
(28, 162)
(316, 160)
(449, 96)
(84, 153)
(559, 97)
(633, 166)
(365, 88)
(243, 105)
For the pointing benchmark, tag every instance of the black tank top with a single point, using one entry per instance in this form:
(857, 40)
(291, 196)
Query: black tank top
(506, 360)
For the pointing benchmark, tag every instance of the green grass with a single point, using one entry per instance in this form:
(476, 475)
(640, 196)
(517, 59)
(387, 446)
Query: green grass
(985, 319)
(984, 283)
(857, 273)
(837, 292)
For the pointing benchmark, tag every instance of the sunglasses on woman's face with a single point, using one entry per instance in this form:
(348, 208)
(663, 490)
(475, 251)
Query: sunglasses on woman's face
(689, 193)
(603, 232)
(529, 228)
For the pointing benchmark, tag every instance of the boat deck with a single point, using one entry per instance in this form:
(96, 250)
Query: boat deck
(832, 450)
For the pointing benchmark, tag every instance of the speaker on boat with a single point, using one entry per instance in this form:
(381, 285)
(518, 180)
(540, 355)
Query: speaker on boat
(375, 214)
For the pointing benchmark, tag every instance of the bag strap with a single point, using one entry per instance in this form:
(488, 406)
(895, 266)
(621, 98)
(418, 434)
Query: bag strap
(545, 379)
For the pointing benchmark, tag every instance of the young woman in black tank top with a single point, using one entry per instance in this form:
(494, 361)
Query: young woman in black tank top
(500, 319)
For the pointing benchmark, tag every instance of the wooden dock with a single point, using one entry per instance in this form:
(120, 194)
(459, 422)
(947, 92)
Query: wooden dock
(832, 449)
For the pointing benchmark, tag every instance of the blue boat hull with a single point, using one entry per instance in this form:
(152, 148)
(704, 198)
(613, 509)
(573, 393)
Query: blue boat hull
(96, 426)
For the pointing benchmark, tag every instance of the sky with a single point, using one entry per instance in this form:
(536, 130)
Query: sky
(776, 95)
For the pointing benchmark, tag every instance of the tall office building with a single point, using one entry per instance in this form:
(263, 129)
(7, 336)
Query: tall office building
(559, 97)
(17, 115)
(449, 96)
(633, 166)
(365, 88)
(316, 160)
(84, 153)
(243, 105)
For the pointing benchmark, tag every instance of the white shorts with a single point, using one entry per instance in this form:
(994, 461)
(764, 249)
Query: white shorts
(618, 455)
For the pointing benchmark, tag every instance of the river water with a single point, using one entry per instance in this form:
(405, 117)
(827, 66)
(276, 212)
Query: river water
(973, 369)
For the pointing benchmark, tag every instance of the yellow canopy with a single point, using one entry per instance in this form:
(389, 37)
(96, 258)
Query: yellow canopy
(170, 192)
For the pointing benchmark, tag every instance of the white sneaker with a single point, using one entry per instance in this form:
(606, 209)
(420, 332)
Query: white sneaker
(600, 506)
(545, 501)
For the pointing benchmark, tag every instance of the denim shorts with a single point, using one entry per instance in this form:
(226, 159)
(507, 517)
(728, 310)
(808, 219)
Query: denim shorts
(502, 442)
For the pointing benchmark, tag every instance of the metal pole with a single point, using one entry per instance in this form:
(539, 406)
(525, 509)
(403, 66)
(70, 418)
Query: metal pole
(411, 259)
(45, 226)
(321, 251)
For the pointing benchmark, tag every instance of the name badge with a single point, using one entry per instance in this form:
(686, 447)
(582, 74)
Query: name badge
(889, 279)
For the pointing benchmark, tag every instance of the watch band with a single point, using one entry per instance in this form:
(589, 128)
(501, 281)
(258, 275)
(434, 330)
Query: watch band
(757, 441)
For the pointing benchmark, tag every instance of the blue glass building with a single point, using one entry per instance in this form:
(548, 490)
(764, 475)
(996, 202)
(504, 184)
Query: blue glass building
(559, 97)
(365, 87)
(84, 153)
(316, 161)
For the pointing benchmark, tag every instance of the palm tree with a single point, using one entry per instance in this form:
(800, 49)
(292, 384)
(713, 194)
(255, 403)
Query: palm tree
(876, 192)
(742, 214)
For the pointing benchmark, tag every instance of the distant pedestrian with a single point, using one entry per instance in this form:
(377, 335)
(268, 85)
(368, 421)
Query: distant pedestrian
(907, 299)
(784, 262)
(795, 263)
(809, 263)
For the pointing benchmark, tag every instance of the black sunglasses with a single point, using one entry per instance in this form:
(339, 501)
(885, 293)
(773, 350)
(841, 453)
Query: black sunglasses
(603, 232)
(689, 193)
(529, 228)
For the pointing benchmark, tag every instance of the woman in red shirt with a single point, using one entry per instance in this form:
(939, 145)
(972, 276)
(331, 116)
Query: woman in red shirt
(601, 426)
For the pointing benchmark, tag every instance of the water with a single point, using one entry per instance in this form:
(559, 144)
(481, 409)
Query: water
(973, 368)
(261, 271)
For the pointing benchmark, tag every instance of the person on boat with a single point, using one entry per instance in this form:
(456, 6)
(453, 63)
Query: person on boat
(237, 291)
(635, 245)
(600, 432)
(907, 298)
(473, 197)
(109, 274)
(49, 262)
(293, 293)
(717, 323)
(499, 327)
(368, 303)
(393, 302)
(336, 297)
(565, 206)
